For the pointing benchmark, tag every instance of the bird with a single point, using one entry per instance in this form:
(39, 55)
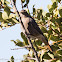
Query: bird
(32, 29)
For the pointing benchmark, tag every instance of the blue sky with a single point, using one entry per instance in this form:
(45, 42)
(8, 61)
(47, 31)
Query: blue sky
(13, 33)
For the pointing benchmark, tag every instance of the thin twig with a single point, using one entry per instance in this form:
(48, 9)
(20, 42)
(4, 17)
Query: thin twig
(31, 58)
(21, 47)
(36, 55)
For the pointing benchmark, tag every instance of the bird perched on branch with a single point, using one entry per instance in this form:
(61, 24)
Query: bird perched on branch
(32, 29)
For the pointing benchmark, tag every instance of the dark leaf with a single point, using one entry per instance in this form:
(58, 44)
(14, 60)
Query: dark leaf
(60, 12)
(54, 38)
(0, 15)
(7, 10)
(43, 30)
(48, 14)
(24, 38)
(54, 5)
(46, 56)
(59, 52)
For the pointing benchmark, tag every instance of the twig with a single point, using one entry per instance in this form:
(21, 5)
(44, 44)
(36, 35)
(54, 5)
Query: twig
(36, 55)
(21, 47)
(31, 58)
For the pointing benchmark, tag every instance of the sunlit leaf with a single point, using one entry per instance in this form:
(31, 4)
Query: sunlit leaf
(3, 1)
(53, 1)
(4, 15)
(22, 1)
(7, 2)
(14, 19)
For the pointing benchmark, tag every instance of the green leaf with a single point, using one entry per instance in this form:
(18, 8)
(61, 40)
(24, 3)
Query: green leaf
(33, 11)
(24, 38)
(54, 38)
(54, 5)
(7, 2)
(53, 60)
(60, 45)
(48, 14)
(59, 52)
(56, 31)
(38, 16)
(53, 1)
(4, 15)
(13, 41)
(12, 59)
(60, 12)
(46, 56)
(58, 61)
(3, 1)
(7, 10)
(19, 43)
(22, 1)
(12, 21)
(60, 28)
(38, 42)
(27, 1)
(43, 30)
(51, 9)
(0, 15)
(12, 15)
(4, 24)
(49, 6)
(59, 1)
(15, 21)
(50, 32)
(55, 47)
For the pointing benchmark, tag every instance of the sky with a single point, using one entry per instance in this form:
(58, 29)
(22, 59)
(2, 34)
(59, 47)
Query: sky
(13, 33)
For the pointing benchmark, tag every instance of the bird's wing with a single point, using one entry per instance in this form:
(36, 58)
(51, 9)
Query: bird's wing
(33, 27)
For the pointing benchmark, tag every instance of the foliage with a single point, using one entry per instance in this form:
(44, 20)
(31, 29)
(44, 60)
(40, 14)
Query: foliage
(50, 23)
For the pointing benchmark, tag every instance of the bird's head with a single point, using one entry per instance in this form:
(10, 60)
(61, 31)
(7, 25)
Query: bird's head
(24, 13)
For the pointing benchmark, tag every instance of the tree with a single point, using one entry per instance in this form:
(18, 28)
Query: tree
(50, 23)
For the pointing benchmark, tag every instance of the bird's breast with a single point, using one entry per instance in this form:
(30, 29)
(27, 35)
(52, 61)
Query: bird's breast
(25, 23)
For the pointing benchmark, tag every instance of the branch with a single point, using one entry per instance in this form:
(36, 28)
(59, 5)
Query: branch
(36, 55)
(31, 58)
(21, 48)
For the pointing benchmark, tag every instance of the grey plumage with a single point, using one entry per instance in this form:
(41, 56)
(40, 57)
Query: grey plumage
(32, 28)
